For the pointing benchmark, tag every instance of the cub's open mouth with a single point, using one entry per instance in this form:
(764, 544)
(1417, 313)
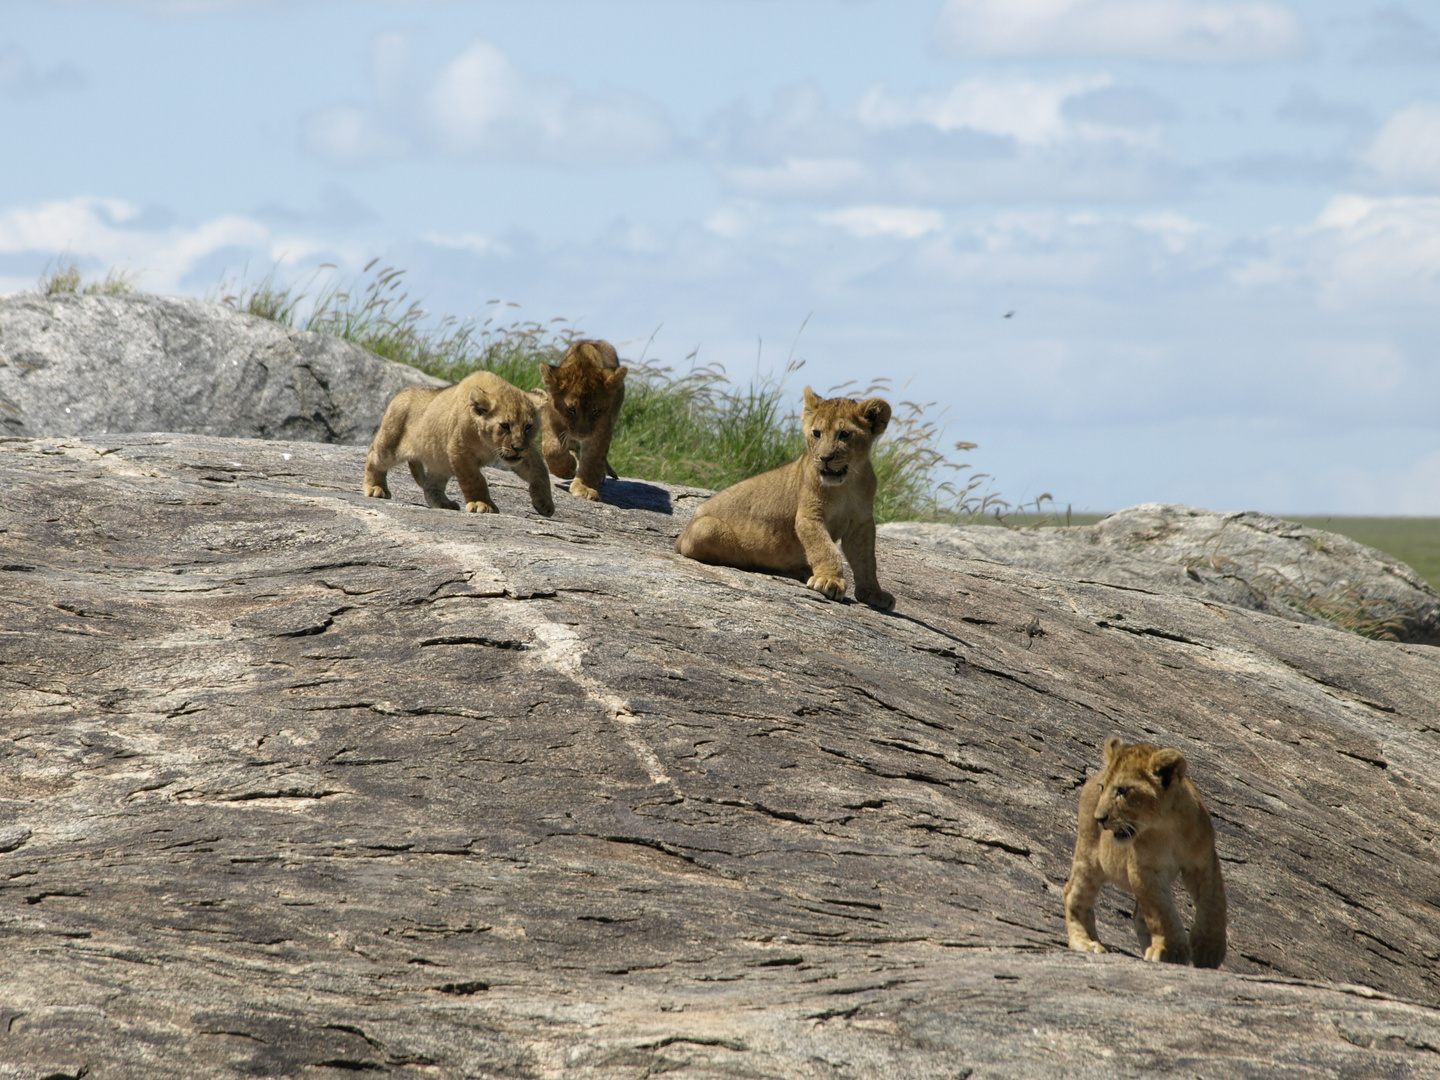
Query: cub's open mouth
(510, 455)
(834, 474)
(1123, 833)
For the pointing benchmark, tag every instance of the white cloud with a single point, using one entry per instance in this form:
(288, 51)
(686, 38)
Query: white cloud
(1178, 31)
(1361, 253)
(351, 135)
(480, 106)
(983, 138)
(1176, 231)
(796, 177)
(472, 242)
(1028, 112)
(1380, 251)
(1406, 151)
(904, 223)
(111, 233)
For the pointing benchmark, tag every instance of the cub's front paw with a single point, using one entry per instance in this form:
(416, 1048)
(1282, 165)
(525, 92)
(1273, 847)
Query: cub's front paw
(377, 491)
(878, 599)
(1167, 955)
(832, 587)
(543, 504)
(584, 490)
(480, 508)
(1207, 954)
(1087, 946)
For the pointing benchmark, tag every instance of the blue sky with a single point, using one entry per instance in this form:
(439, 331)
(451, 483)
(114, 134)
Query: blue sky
(1217, 222)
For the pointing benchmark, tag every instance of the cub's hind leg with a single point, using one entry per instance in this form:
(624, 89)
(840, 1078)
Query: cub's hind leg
(385, 447)
(433, 487)
(709, 540)
(378, 463)
(1207, 934)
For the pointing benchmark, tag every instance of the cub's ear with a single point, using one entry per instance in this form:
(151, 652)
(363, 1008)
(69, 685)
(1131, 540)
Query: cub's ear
(547, 375)
(812, 400)
(479, 402)
(538, 398)
(876, 412)
(1113, 745)
(1168, 765)
(616, 378)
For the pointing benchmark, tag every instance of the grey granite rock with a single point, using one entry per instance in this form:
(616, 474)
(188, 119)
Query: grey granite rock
(316, 785)
(1253, 560)
(72, 365)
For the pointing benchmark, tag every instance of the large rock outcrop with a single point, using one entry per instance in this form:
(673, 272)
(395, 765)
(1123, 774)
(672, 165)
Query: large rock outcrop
(1257, 561)
(72, 365)
(296, 783)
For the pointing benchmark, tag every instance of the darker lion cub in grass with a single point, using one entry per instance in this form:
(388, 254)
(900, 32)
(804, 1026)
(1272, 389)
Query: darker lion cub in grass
(586, 392)
(1142, 824)
(787, 520)
(481, 420)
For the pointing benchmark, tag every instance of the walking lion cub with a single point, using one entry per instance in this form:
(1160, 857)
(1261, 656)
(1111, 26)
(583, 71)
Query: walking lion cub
(1142, 824)
(481, 420)
(787, 520)
(586, 391)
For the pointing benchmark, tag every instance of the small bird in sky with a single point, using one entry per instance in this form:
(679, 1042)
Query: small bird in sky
(1009, 315)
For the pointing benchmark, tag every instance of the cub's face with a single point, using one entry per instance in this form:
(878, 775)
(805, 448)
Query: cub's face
(506, 421)
(582, 392)
(838, 433)
(1135, 785)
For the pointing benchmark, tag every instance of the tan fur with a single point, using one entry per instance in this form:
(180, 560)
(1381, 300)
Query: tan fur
(481, 420)
(787, 520)
(586, 392)
(1143, 793)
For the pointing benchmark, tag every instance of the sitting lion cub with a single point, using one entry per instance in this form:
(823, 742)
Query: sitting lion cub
(1141, 824)
(786, 521)
(586, 392)
(453, 432)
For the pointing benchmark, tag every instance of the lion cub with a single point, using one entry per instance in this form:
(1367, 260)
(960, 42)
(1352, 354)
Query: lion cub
(453, 431)
(586, 392)
(1142, 824)
(786, 521)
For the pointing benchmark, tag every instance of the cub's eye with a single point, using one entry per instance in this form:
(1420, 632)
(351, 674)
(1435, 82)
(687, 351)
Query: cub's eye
(816, 433)
(843, 436)
(571, 410)
(528, 427)
(1121, 792)
(505, 427)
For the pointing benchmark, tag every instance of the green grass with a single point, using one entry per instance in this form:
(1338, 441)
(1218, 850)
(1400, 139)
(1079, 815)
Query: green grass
(695, 427)
(63, 276)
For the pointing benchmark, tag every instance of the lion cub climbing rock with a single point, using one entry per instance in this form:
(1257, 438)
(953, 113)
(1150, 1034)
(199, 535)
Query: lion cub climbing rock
(787, 520)
(586, 392)
(1142, 824)
(481, 420)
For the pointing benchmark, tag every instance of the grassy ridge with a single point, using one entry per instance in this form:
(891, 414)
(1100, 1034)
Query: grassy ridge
(694, 428)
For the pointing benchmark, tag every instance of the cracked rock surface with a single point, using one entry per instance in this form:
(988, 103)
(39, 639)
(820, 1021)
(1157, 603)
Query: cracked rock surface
(75, 363)
(299, 783)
